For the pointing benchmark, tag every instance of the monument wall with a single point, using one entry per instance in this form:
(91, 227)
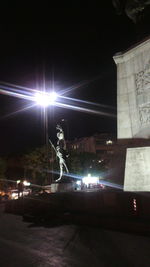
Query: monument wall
(133, 114)
(137, 169)
(133, 92)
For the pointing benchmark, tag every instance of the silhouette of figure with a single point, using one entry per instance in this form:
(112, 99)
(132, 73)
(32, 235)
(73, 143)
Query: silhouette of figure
(60, 151)
(62, 162)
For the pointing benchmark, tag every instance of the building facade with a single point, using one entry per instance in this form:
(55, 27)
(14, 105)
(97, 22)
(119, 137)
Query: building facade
(98, 144)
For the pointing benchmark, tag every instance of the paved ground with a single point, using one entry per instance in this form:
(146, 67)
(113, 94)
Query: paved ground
(69, 246)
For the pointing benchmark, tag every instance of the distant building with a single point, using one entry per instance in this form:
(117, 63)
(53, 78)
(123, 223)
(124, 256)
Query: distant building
(98, 144)
(110, 153)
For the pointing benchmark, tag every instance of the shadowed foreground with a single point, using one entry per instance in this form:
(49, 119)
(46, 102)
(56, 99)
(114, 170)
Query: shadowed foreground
(68, 245)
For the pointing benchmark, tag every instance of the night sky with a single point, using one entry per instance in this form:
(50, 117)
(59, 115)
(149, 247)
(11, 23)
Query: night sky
(73, 54)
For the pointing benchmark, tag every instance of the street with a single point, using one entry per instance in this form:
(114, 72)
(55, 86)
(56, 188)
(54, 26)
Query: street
(69, 246)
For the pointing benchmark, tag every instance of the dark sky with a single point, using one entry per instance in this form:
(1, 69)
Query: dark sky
(72, 53)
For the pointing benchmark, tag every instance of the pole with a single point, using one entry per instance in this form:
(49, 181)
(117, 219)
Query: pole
(46, 143)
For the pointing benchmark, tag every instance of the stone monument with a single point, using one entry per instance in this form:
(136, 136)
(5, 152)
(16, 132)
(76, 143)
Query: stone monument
(133, 112)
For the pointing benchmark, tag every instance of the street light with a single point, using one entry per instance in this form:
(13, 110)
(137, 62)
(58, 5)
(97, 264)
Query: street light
(45, 99)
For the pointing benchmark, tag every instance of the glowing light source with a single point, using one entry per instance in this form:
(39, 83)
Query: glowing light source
(90, 179)
(109, 142)
(52, 97)
(26, 183)
(45, 99)
(134, 204)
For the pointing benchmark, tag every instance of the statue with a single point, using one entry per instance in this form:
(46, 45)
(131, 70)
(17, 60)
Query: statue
(132, 8)
(60, 151)
(61, 139)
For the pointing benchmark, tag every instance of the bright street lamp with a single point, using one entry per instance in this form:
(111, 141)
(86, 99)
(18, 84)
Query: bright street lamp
(45, 99)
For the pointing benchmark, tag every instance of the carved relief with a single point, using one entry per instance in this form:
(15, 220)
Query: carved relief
(147, 75)
(144, 115)
(139, 81)
(142, 79)
(142, 82)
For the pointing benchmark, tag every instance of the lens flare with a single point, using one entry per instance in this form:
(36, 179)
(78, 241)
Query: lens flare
(45, 99)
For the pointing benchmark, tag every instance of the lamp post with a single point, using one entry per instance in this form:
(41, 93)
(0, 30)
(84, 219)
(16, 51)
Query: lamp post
(45, 100)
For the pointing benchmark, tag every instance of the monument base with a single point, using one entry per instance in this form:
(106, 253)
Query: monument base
(137, 169)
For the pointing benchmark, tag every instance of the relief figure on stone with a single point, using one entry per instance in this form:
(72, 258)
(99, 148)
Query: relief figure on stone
(144, 115)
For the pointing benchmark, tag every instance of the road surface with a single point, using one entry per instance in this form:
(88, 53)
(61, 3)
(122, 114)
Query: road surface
(68, 246)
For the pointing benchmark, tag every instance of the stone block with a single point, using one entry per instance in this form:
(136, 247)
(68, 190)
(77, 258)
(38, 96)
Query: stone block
(137, 169)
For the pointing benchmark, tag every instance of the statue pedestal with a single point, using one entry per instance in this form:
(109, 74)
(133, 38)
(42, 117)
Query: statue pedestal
(137, 169)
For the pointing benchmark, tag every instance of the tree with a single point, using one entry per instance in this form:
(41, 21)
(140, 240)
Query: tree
(84, 163)
(38, 164)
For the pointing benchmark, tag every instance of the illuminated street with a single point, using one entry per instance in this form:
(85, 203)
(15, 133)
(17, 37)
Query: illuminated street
(21, 245)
